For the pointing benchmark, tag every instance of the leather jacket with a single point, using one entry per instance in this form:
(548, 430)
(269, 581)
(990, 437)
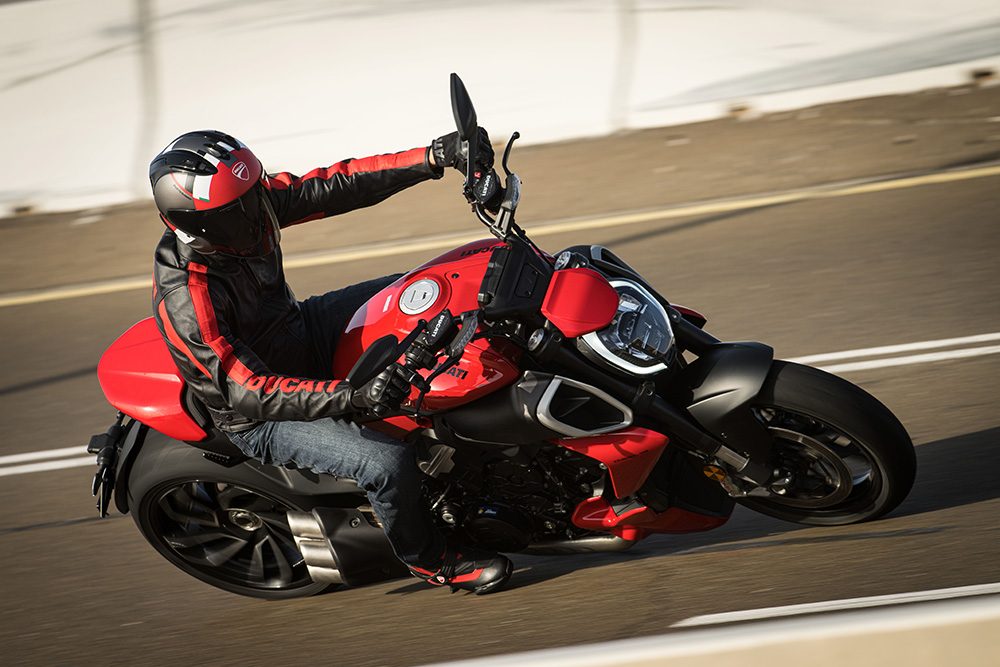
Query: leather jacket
(232, 324)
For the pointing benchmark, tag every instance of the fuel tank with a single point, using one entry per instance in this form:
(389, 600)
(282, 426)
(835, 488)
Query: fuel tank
(449, 281)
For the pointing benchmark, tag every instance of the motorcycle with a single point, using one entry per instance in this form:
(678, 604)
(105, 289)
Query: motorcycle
(561, 405)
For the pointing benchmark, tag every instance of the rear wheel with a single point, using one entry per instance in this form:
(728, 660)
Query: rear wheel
(840, 456)
(224, 526)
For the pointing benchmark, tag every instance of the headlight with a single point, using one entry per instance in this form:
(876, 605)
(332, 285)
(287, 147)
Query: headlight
(639, 339)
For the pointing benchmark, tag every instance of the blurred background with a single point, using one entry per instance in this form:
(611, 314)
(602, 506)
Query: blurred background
(305, 82)
(822, 176)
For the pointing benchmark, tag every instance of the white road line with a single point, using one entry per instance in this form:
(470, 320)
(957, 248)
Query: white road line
(912, 359)
(404, 247)
(838, 605)
(88, 460)
(45, 454)
(893, 349)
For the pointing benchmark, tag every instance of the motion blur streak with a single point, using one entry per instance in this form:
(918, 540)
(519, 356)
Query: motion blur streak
(893, 349)
(42, 466)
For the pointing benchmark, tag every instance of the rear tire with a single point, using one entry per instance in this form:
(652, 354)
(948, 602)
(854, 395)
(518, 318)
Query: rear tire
(224, 526)
(848, 458)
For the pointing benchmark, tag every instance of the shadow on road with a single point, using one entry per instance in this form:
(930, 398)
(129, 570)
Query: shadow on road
(950, 473)
(955, 471)
(47, 381)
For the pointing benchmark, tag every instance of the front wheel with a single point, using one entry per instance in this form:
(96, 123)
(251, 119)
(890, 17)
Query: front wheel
(840, 456)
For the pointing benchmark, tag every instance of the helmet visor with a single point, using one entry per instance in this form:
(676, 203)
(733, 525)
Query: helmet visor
(244, 227)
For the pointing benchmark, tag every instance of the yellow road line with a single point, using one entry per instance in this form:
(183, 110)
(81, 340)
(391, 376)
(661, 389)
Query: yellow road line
(439, 241)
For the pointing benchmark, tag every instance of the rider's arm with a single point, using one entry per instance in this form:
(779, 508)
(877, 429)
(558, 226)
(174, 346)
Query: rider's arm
(347, 185)
(193, 319)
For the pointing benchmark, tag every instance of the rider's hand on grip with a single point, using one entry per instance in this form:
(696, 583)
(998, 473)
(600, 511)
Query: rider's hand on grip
(451, 151)
(385, 392)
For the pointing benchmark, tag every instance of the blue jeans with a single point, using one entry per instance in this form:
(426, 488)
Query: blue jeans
(384, 467)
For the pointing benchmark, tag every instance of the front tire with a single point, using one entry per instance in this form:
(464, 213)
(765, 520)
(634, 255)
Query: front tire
(844, 457)
(224, 526)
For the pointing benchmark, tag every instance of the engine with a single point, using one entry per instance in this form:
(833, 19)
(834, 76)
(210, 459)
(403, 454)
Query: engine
(505, 499)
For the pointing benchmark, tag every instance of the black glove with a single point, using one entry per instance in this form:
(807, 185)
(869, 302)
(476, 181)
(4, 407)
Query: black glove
(385, 392)
(449, 152)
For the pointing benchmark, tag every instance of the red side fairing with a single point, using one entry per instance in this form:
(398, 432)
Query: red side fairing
(457, 274)
(138, 377)
(637, 523)
(630, 456)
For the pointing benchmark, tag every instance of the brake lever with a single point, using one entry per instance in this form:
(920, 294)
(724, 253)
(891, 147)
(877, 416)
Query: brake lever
(506, 152)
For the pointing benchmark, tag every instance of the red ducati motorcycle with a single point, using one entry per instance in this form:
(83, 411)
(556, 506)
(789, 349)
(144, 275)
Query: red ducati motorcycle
(561, 405)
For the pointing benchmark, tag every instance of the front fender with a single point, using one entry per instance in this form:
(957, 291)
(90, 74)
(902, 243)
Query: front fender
(724, 382)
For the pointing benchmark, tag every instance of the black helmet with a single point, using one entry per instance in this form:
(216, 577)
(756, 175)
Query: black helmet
(209, 189)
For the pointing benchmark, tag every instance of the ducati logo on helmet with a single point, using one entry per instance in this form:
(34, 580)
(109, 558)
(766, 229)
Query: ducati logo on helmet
(241, 171)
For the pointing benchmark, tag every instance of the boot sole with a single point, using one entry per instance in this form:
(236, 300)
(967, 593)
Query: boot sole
(499, 583)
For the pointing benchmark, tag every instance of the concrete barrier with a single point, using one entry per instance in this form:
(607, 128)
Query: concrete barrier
(90, 91)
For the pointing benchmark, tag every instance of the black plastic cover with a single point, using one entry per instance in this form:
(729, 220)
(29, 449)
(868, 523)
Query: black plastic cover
(505, 417)
(515, 282)
(375, 359)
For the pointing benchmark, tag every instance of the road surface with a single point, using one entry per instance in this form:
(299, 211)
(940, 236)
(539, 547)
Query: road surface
(891, 263)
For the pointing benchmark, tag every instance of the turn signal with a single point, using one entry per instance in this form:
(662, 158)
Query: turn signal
(714, 472)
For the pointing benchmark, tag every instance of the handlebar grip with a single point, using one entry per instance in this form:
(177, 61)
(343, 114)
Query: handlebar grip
(380, 410)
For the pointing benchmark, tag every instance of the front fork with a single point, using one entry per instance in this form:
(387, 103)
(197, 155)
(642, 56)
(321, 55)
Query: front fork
(724, 381)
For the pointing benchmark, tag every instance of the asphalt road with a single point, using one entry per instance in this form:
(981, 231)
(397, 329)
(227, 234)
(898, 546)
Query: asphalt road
(820, 275)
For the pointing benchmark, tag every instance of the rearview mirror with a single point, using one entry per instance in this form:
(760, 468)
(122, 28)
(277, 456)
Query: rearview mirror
(461, 107)
(375, 359)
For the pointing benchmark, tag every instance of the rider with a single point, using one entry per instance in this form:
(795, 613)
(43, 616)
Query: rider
(259, 360)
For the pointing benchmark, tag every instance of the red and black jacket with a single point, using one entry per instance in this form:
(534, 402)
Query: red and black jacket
(233, 325)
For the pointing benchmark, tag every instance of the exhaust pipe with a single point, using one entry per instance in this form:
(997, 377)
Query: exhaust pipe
(584, 545)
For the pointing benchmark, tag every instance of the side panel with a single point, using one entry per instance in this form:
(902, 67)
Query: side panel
(482, 370)
(630, 455)
(579, 301)
(138, 377)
